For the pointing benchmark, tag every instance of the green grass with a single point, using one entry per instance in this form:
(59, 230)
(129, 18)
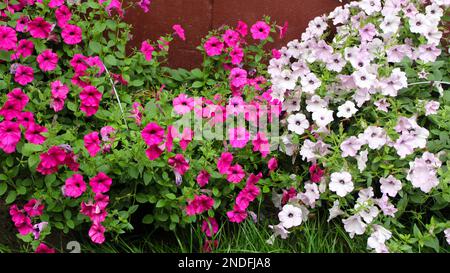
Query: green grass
(314, 236)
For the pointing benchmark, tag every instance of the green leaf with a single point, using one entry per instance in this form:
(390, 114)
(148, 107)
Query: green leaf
(111, 60)
(29, 149)
(3, 188)
(137, 83)
(171, 196)
(433, 242)
(197, 84)
(197, 73)
(161, 203)
(11, 197)
(174, 218)
(148, 219)
(95, 46)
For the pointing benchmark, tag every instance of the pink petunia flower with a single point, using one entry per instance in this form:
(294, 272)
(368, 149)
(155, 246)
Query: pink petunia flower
(153, 152)
(224, 162)
(22, 24)
(199, 204)
(97, 233)
(179, 163)
(90, 99)
(237, 55)
(237, 215)
(59, 93)
(147, 49)
(39, 28)
(261, 144)
(272, 164)
(144, 5)
(24, 49)
(51, 160)
(260, 30)
(316, 173)
(213, 47)
(34, 208)
(9, 136)
(24, 75)
(183, 104)
(203, 178)
(238, 77)
(100, 183)
(74, 186)
(8, 38)
(242, 28)
(63, 15)
(18, 98)
(239, 137)
(235, 174)
(210, 226)
(72, 34)
(92, 143)
(34, 133)
(179, 31)
(47, 60)
(231, 38)
(153, 134)
(55, 3)
(43, 248)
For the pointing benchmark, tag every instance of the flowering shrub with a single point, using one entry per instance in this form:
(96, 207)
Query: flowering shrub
(365, 112)
(89, 133)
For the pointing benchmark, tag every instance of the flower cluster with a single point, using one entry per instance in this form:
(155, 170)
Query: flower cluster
(348, 91)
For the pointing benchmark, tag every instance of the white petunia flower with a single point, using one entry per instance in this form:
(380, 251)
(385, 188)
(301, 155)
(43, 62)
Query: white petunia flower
(361, 160)
(375, 137)
(364, 79)
(290, 216)
(354, 225)
(390, 185)
(297, 123)
(341, 183)
(315, 103)
(335, 211)
(347, 110)
(322, 117)
(310, 83)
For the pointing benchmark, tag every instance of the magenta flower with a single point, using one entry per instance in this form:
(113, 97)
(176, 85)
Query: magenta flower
(316, 173)
(39, 28)
(100, 183)
(59, 93)
(260, 30)
(8, 38)
(235, 174)
(210, 226)
(239, 137)
(183, 104)
(144, 4)
(63, 15)
(92, 143)
(147, 49)
(238, 77)
(97, 233)
(213, 47)
(34, 208)
(75, 186)
(47, 60)
(153, 134)
(237, 215)
(224, 162)
(236, 54)
(72, 34)
(24, 49)
(55, 3)
(34, 133)
(272, 164)
(153, 152)
(22, 24)
(17, 97)
(179, 31)
(43, 248)
(203, 178)
(242, 28)
(283, 29)
(261, 144)
(90, 99)
(179, 163)
(9, 136)
(199, 204)
(24, 75)
(231, 37)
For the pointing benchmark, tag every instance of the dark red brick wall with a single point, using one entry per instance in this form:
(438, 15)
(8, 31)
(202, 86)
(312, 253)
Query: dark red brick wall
(199, 16)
